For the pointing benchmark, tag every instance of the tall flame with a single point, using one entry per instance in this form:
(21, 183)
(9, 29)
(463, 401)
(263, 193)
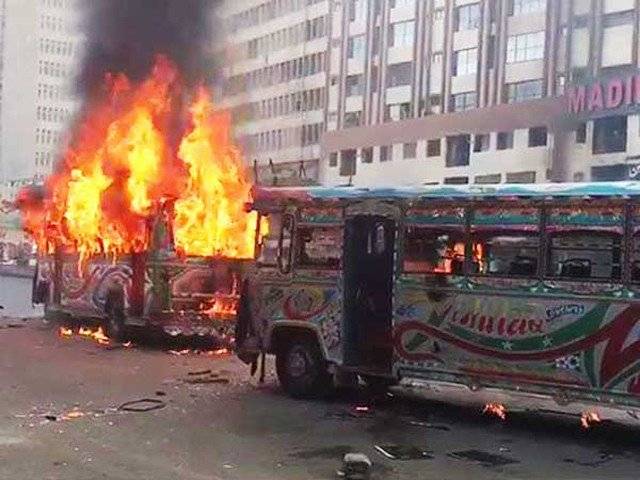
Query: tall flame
(130, 154)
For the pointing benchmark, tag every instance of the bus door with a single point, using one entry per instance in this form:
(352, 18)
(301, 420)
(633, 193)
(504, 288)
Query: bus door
(368, 269)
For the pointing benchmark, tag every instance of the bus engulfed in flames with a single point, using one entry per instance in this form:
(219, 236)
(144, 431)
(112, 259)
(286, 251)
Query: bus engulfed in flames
(136, 148)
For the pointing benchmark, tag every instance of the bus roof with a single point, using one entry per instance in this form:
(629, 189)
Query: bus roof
(266, 195)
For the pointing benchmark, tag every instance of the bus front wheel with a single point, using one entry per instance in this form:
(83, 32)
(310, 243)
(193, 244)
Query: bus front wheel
(301, 369)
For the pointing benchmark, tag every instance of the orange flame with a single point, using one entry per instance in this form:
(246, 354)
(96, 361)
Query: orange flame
(129, 155)
(496, 409)
(65, 332)
(588, 419)
(97, 335)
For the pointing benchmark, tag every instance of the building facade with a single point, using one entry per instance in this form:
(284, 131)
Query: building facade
(377, 92)
(41, 47)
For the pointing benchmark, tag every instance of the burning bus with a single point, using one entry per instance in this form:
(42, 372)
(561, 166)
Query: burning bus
(144, 221)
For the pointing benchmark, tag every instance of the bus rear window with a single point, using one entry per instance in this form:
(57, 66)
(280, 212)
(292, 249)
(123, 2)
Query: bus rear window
(434, 251)
(319, 247)
(585, 255)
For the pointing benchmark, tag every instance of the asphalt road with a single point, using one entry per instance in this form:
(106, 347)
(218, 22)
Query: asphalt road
(241, 430)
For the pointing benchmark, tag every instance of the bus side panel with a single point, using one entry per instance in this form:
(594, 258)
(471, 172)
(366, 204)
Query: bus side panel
(84, 291)
(308, 297)
(521, 338)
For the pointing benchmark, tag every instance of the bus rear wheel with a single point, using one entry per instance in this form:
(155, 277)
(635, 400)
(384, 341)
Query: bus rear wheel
(302, 370)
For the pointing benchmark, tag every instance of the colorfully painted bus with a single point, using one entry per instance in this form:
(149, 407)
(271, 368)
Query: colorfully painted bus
(187, 297)
(526, 295)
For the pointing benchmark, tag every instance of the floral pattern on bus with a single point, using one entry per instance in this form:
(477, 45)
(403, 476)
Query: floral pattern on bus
(595, 343)
(316, 304)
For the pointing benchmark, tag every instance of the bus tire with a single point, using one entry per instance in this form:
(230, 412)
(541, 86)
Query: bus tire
(115, 325)
(302, 370)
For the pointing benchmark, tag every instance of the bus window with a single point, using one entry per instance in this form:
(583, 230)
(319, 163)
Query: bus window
(585, 255)
(267, 247)
(513, 254)
(635, 259)
(319, 247)
(434, 251)
(286, 239)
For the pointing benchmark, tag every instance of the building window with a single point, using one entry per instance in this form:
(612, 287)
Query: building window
(519, 7)
(357, 10)
(458, 151)
(397, 111)
(436, 57)
(525, 47)
(402, 3)
(481, 143)
(433, 148)
(610, 135)
(352, 119)
(347, 163)
(467, 17)
(354, 85)
(465, 62)
(537, 136)
(456, 181)
(521, 177)
(355, 47)
(385, 153)
(401, 34)
(367, 155)
(488, 179)
(581, 133)
(409, 150)
(504, 140)
(399, 74)
(610, 173)
(333, 159)
(438, 14)
(523, 91)
(462, 102)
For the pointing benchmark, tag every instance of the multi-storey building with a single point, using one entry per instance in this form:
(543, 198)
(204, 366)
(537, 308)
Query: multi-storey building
(276, 82)
(441, 91)
(41, 50)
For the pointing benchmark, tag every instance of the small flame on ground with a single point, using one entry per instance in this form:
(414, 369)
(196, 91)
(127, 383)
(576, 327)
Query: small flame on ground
(495, 409)
(588, 419)
(95, 334)
(210, 353)
(65, 332)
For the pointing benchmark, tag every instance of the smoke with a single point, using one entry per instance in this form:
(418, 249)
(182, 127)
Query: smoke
(126, 35)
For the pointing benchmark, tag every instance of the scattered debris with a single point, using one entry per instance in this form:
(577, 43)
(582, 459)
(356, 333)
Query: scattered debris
(361, 411)
(142, 405)
(603, 457)
(355, 466)
(485, 459)
(433, 426)
(403, 452)
(337, 451)
(12, 325)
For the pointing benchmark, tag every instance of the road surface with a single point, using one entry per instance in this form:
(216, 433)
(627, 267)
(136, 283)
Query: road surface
(59, 420)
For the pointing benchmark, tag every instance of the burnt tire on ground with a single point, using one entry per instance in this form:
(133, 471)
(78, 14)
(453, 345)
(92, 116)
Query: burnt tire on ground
(302, 370)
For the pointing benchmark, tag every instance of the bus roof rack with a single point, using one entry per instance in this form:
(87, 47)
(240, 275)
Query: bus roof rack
(503, 191)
